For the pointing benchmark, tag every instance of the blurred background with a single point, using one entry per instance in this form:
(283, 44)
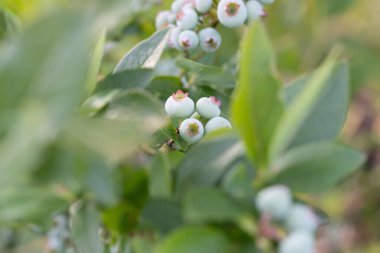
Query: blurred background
(303, 32)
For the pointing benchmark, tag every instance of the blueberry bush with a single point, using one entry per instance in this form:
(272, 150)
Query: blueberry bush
(193, 141)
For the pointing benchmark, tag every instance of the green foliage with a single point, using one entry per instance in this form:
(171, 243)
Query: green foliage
(98, 147)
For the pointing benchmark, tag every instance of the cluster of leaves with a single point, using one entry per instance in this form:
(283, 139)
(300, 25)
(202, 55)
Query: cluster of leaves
(96, 151)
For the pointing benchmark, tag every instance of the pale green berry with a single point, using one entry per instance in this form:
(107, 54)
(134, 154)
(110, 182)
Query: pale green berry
(203, 6)
(274, 201)
(162, 20)
(302, 217)
(267, 1)
(255, 10)
(216, 124)
(208, 107)
(174, 38)
(179, 105)
(196, 116)
(297, 242)
(210, 39)
(191, 130)
(232, 13)
(187, 18)
(188, 40)
(177, 5)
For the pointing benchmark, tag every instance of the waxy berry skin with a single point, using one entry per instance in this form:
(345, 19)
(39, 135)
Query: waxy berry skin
(174, 38)
(274, 201)
(162, 20)
(191, 130)
(216, 124)
(232, 13)
(187, 19)
(179, 105)
(302, 218)
(210, 39)
(297, 242)
(177, 6)
(203, 6)
(208, 107)
(255, 10)
(188, 40)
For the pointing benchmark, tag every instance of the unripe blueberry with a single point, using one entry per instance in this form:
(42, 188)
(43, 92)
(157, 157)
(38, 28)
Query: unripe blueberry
(162, 19)
(177, 5)
(187, 18)
(275, 201)
(255, 10)
(208, 107)
(191, 130)
(179, 105)
(188, 40)
(217, 123)
(174, 38)
(210, 39)
(297, 242)
(267, 1)
(203, 6)
(302, 217)
(232, 13)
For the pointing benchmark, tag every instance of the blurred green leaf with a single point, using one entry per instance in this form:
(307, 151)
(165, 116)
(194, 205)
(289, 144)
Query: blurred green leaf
(9, 23)
(328, 115)
(160, 183)
(162, 214)
(206, 162)
(256, 108)
(207, 74)
(28, 204)
(96, 61)
(302, 107)
(238, 181)
(198, 208)
(164, 86)
(146, 54)
(194, 240)
(316, 167)
(126, 79)
(84, 226)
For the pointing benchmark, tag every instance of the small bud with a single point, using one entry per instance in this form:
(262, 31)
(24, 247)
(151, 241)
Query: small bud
(232, 13)
(208, 107)
(179, 105)
(275, 201)
(297, 242)
(216, 124)
(191, 130)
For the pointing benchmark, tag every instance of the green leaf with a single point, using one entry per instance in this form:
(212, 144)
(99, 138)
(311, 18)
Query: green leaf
(9, 23)
(238, 181)
(164, 86)
(197, 207)
(206, 162)
(49, 70)
(316, 167)
(146, 54)
(160, 183)
(194, 240)
(256, 108)
(85, 225)
(207, 75)
(127, 79)
(162, 214)
(24, 204)
(96, 61)
(302, 107)
(328, 115)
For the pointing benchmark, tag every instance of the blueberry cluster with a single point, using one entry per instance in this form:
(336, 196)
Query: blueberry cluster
(193, 22)
(191, 129)
(300, 220)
